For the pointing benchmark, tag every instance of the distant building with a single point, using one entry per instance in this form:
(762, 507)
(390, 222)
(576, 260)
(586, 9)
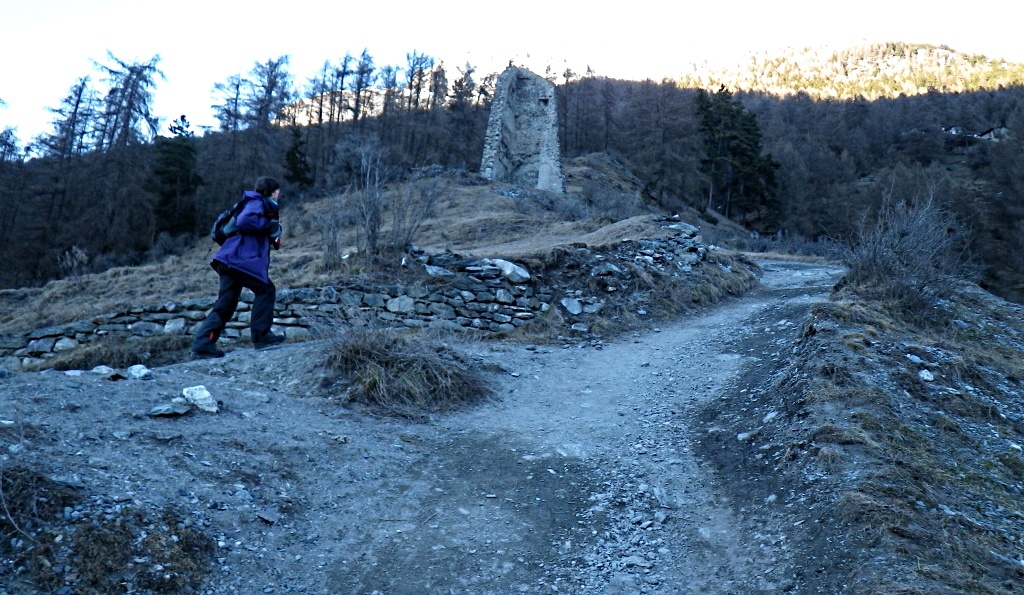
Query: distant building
(996, 134)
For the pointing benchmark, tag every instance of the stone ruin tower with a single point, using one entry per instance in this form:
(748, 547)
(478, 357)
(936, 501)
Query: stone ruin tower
(521, 146)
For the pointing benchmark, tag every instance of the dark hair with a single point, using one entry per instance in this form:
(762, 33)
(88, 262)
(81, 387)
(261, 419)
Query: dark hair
(266, 186)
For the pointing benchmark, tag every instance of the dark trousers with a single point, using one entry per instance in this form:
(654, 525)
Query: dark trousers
(231, 284)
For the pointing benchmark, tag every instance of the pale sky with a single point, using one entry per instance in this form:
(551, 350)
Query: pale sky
(50, 44)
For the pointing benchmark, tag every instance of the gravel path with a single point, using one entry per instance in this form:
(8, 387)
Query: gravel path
(581, 477)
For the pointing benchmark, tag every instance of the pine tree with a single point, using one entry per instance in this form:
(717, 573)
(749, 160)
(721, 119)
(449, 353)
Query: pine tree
(174, 180)
(740, 179)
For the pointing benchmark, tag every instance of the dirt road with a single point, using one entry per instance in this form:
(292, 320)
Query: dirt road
(582, 477)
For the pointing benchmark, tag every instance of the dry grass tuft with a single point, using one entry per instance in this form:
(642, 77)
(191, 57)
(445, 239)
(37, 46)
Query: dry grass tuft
(838, 435)
(106, 554)
(101, 556)
(26, 497)
(28, 501)
(395, 373)
(829, 457)
(878, 515)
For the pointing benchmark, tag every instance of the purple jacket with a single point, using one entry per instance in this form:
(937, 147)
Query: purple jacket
(248, 251)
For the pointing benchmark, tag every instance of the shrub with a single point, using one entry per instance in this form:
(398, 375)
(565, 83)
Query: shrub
(910, 255)
(395, 373)
(332, 226)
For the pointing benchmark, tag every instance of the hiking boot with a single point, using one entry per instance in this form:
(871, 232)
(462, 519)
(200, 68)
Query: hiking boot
(207, 353)
(268, 340)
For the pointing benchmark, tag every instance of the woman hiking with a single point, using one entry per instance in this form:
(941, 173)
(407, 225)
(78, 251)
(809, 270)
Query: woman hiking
(243, 261)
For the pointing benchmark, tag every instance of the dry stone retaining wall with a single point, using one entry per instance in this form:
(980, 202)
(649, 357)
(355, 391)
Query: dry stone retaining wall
(487, 295)
(482, 296)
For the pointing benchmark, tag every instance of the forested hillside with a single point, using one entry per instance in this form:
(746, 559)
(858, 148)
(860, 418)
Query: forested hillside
(805, 145)
(871, 72)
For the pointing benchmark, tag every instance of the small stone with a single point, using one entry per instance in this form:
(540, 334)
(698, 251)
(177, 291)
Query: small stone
(175, 326)
(269, 516)
(103, 370)
(65, 344)
(145, 328)
(170, 410)
(201, 398)
(926, 375)
(639, 561)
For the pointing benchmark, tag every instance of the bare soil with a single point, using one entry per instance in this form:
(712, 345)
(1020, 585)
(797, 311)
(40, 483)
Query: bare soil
(590, 471)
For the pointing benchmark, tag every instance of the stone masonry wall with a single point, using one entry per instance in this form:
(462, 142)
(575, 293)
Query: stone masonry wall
(521, 146)
(488, 295)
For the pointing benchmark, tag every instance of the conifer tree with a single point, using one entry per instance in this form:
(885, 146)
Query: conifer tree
(740, 179)
(174, 180)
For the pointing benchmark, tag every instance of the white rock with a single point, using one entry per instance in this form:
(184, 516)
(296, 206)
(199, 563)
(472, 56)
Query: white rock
(511, 271)
(72, 372)
(140, 372)
(572, 306)
(103, 370)
(926, 375)
(201, 398)
(175, 326)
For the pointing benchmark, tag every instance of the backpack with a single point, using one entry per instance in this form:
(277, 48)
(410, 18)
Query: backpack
(224, 225)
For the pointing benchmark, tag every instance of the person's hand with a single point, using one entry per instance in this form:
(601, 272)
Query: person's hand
(275, 234)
